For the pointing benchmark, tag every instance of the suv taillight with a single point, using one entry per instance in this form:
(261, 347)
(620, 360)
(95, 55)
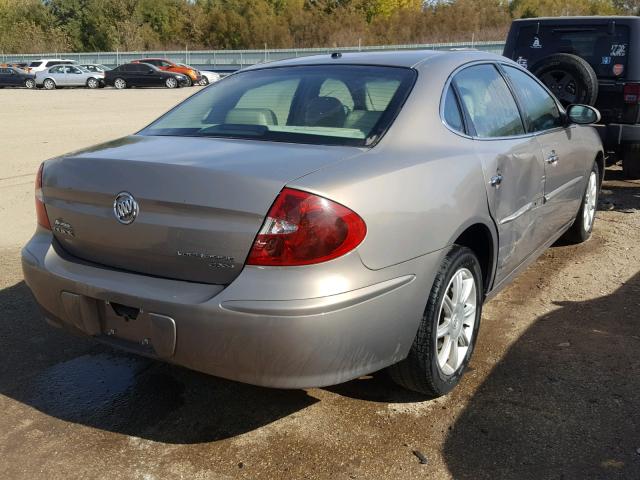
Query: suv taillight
(303, 229)
(41, 211)
(632, 93)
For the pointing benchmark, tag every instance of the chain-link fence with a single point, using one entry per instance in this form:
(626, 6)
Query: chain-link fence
(230, 60)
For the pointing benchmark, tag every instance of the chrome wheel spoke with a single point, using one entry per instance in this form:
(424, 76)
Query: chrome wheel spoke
(445, 351)
(443, 328)
(447, 305)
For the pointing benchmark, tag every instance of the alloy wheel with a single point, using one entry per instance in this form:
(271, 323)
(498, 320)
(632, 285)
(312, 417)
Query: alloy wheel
(456, 321)
(30, 83)
(49, 84)
(171, 82)
(590, 200)
(119, 83)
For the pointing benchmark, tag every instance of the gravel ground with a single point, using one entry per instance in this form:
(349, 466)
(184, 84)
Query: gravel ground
(553, 391)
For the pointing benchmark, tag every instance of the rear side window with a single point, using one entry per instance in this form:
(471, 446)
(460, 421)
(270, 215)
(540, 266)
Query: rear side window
(539, 107)
(486, 97)
(452, 115)
(35, 64)
(605, 49)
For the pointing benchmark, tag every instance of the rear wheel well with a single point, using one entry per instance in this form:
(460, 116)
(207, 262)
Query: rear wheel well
(478, 238)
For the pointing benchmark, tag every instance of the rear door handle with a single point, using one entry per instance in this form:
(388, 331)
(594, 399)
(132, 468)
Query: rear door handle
(552, 158)
(496, 180)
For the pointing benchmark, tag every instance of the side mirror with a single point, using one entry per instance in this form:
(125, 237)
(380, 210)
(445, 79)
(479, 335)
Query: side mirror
(583, 114)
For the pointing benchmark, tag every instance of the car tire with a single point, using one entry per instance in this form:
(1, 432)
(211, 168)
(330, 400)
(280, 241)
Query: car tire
(93, 83)
(189, 81)
(49, 84)
(30, 83)
(120, 83)
(204, 81)
(582, 226)
(631, 161)
(427, 369)
(171, 82)
(569, 77)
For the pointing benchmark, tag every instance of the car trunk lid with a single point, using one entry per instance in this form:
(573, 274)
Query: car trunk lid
(201, 201)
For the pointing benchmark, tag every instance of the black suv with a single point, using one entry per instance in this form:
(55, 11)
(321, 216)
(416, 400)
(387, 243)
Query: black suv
(587, 60)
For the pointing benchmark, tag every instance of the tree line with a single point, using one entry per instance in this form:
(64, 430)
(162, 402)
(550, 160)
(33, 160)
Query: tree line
(32, 26)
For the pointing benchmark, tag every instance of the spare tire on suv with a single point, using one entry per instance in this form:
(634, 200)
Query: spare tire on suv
(569, 77)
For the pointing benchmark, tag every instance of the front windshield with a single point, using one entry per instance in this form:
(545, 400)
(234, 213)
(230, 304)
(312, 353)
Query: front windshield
(336, 104)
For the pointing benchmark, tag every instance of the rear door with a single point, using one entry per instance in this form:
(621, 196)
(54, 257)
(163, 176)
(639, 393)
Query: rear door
(564, 161)
(5, 77)
(58, 75)
(74, 76)
(510, 159)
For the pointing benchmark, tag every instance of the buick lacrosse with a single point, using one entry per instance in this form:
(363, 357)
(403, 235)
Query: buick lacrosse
(305, 222)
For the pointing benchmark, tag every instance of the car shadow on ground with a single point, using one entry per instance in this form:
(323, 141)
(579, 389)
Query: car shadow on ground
(77, 380)
(620, 194)
(563, 402)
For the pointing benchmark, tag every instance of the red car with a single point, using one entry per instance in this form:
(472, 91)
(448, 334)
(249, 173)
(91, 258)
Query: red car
(192, 74)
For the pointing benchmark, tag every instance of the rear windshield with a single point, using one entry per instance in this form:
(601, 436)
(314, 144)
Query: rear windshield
(606, 50)
(336, 105)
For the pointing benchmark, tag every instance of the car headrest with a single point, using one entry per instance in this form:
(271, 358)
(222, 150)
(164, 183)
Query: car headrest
(324, 112)
(251, 116)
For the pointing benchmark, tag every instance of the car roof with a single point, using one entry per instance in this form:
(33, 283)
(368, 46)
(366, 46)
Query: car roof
(582, 19)
(390, 58)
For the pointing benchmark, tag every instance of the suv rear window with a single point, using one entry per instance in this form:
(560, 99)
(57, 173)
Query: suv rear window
(325, 104)
(606, 52)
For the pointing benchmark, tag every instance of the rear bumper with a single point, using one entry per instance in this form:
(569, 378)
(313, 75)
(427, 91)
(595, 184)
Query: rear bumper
(258, 330)
(614, 135)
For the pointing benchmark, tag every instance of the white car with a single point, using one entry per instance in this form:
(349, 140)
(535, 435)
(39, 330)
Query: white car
(45, 63)
(207, 77)
(94, 67)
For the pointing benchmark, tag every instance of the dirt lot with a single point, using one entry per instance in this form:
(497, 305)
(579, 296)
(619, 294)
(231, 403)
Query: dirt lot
(553, 392)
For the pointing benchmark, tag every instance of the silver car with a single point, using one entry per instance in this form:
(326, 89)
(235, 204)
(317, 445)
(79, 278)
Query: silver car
(69, 76)
(305, 222)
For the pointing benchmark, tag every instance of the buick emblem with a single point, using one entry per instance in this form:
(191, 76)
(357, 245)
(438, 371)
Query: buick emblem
(125, 208)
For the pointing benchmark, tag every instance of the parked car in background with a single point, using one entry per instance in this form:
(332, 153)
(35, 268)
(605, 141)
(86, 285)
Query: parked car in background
(294, 226)
(21, 65)
(589, 60)
(191, 73)
(208, 77)
(46, 63)
(95, 67)
(69, 76)
(143, 75)
(15, 77)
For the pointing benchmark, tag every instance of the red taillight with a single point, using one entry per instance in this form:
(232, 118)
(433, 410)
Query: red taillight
(632, 93)
(302, 228)
(41, 211)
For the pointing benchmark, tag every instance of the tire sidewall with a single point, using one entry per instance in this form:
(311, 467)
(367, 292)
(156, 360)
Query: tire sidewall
(462, 258)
